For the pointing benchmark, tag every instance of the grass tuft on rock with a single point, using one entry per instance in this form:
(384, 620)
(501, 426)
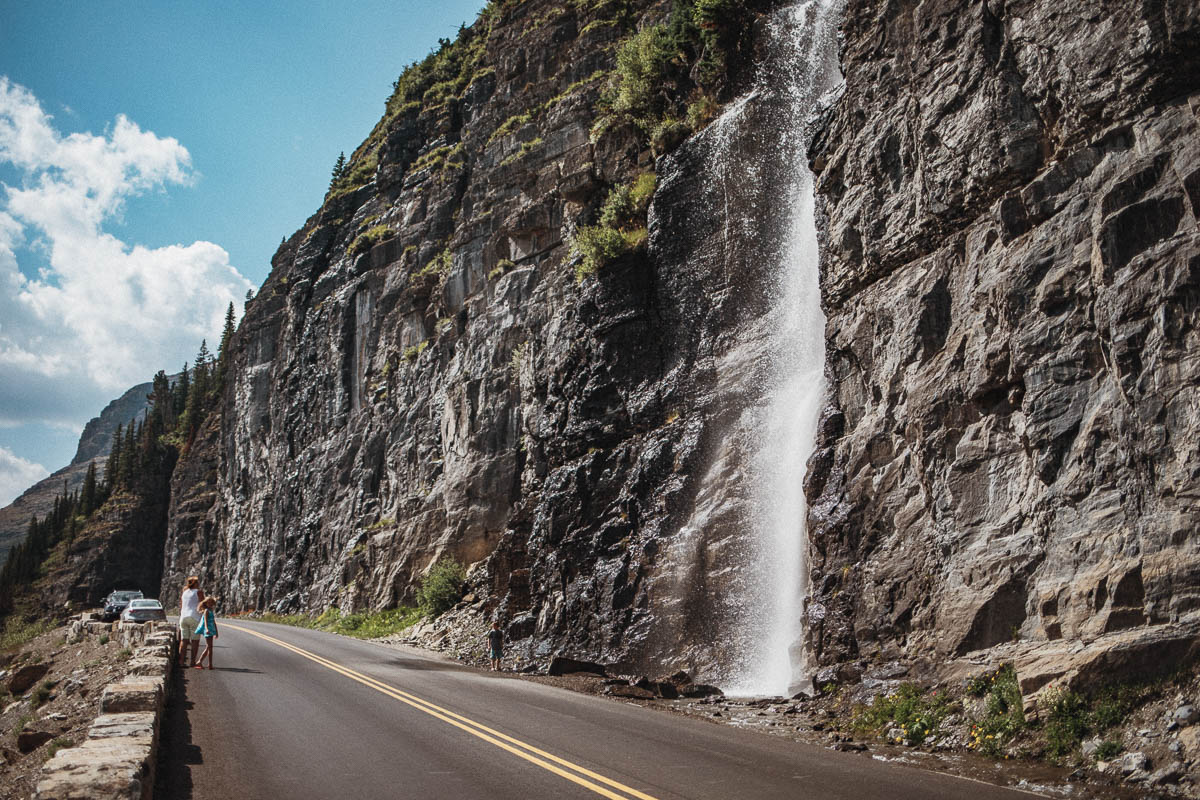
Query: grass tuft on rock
(18, 630)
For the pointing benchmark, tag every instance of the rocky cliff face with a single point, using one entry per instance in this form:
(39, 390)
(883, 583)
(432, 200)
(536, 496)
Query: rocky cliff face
(455, 390)
(1011, 193)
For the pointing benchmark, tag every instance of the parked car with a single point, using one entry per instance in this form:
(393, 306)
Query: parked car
(116, 602)
(143, 610)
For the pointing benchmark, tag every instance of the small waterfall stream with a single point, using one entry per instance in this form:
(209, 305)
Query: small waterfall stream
(802, 67)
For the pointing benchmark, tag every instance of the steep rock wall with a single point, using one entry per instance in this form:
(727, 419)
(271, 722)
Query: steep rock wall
(1011, 193)
(455, 390)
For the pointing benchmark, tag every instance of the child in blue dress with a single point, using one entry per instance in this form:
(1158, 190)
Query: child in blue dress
(208, 629)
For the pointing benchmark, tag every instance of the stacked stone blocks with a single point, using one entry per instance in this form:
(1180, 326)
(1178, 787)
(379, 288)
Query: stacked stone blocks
(118, 757)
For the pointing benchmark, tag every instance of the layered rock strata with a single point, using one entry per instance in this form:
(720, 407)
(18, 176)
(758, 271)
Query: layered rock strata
(1009, 194)
(1012, 281)
(455, 390)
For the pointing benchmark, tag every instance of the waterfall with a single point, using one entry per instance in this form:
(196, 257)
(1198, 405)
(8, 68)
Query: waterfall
(802, 67)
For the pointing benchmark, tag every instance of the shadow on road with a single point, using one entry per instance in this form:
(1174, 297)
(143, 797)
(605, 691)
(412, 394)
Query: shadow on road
(427, 665)
(176, 752)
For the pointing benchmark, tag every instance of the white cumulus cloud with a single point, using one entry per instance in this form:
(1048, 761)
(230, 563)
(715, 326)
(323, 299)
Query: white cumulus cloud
(94, 315)
(17, 475)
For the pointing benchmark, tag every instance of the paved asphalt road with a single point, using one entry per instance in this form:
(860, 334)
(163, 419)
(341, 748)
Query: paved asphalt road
(297, 714)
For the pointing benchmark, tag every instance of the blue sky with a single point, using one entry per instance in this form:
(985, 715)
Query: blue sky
(152, 157)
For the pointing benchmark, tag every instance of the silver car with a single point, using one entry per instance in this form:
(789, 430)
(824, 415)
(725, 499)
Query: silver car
(143, 611)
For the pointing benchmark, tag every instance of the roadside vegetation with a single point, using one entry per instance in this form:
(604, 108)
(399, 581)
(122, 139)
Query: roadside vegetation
(1003, 715)
(18, 631)
(906, 716)
(991, 717)
(439, 590)
(367, 625)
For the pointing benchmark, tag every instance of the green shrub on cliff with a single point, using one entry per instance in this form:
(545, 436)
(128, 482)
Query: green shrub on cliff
(369, 238)
(669, 76)
(438, 265)
(621, 228)
(441, 588)
(596, 245)
(413, 352)
(641, 64)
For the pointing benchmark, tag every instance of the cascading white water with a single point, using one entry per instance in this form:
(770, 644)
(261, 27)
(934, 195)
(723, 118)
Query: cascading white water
(802, 67)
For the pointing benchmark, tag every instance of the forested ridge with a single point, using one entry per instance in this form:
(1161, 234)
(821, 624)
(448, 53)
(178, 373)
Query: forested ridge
(147, 446)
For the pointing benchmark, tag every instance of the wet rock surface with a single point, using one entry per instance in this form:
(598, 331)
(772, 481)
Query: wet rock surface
(1010, 281)
(494, 409)
(1003, 471)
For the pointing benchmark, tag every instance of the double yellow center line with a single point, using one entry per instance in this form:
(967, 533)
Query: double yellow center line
(548, 761)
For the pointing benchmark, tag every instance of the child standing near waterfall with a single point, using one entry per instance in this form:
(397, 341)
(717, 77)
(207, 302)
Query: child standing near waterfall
(208, 629)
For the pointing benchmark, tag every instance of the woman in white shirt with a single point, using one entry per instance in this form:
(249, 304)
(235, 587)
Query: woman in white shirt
(189, 618)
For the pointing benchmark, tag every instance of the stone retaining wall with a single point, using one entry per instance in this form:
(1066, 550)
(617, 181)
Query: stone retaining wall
(118, 757)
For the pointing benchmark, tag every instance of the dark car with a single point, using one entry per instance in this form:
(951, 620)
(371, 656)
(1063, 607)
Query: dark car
(116, 602)
(140, 610)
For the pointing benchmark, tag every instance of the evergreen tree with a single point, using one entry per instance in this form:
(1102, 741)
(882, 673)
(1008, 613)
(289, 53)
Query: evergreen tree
(89, 495)
(112, 467)
(222, 368)
(145, 442)
(129, 456)
(340, 168)
(180, 394)
(202, 367)
(227, 333)
(162, 404)
(197, 402)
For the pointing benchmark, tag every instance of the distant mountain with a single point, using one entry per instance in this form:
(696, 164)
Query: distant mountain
(94, 443)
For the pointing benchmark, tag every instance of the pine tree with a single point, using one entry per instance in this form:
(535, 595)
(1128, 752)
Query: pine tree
(89, 495)
(339, 170)
(227, 333)
(197, 402)
(222, 368)
(202, 367)
(112, 467)
(129, 455)
(162, 404)
(180, 394)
